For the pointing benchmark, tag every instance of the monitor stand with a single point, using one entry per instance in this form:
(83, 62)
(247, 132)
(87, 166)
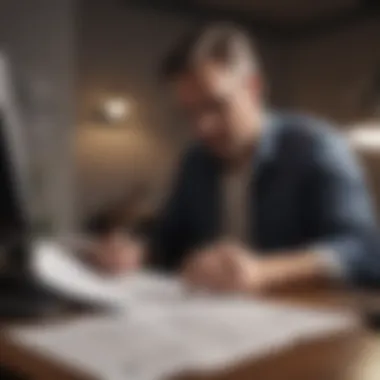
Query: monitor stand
(22, 297)
(21, 294)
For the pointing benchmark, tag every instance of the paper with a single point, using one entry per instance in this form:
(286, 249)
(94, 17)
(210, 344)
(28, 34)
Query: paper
(59, 269)
(166, 330)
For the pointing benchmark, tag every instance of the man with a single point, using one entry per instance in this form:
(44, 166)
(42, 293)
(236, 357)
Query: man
(262, 200)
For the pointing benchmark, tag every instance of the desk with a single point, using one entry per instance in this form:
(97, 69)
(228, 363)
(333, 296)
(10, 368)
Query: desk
(353, 356)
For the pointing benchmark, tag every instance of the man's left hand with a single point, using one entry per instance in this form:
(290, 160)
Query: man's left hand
(227, 267)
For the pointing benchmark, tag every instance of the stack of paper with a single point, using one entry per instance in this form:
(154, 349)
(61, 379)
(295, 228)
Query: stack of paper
(163, 330)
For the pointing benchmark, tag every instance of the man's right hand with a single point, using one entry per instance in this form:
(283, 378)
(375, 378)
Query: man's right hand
(118, 253)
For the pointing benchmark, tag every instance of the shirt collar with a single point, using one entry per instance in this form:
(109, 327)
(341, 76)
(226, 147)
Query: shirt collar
(268, 143)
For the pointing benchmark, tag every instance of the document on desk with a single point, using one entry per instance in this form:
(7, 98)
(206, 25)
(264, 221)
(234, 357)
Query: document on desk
(60, 269)
(166, 330)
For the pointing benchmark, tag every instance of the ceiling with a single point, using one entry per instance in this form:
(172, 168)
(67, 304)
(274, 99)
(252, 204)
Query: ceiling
(278, 18)
(285, 11)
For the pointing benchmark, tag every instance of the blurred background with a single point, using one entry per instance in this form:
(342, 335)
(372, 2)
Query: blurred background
(101, 130)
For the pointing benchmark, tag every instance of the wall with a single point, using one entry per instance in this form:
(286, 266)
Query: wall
(331, 76)
(120, 49)
(372, 164)
(37, 35)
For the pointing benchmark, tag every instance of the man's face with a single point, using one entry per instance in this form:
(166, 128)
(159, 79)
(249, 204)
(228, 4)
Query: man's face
(222, 106)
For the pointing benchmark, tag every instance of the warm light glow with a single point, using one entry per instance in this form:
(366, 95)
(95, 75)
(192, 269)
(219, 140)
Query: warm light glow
(366, 137)
(116, 109)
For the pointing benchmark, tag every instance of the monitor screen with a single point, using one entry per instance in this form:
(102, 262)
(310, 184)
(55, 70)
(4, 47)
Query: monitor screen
(13, 201)
(11, 217)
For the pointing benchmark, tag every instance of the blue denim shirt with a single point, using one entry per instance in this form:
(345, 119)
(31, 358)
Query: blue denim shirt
(307, 191)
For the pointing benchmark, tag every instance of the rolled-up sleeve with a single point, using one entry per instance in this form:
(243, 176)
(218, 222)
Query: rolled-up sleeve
(344, 219)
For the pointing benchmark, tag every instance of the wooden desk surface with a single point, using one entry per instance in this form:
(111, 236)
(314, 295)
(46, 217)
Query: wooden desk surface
(352, 356)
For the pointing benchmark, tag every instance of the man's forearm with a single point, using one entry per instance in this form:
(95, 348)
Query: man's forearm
(294, 267)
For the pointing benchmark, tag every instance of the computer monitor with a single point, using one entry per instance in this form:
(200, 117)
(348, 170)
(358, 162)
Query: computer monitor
(21, 293)
(14, 187)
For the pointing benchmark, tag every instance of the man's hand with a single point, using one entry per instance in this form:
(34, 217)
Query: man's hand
(230, 267)
(226, 267)
(117, 253)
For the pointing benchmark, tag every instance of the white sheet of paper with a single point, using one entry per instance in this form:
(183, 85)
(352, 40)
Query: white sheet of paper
(59, 269)
(165, 330)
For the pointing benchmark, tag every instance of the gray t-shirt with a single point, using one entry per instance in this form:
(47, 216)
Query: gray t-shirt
(235, 208)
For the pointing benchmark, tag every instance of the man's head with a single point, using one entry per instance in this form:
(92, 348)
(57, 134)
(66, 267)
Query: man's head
(216, 77)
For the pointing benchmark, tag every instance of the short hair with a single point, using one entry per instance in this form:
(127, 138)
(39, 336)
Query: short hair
(222, 43)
